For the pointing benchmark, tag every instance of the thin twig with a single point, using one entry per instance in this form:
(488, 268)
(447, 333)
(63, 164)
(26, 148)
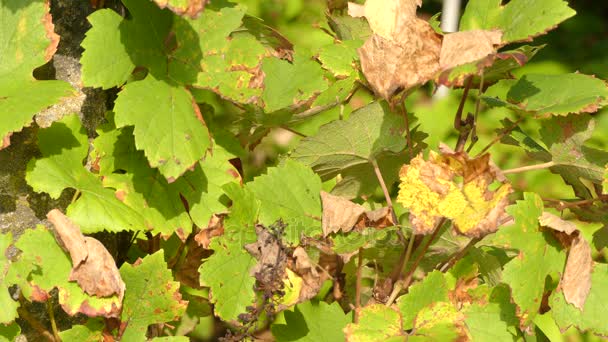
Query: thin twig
(410, 274)
(452, 261)
(529, 168)
(75, 196)
(561, 204)
(500, 136)
(474, 136)
(314, 111)
(49, 306)
(358, 285)
(463, 127)
(387, 195)
(407, 129)
(285, 127)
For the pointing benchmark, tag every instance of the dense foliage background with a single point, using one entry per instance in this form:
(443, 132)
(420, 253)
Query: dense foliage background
(240, 174)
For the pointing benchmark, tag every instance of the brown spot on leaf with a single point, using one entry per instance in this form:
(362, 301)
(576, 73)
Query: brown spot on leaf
(93, 268)
(6, 141)
(214, 228)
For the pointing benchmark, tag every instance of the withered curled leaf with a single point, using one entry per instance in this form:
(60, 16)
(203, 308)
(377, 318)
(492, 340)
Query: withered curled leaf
(93, 269)
(340, 214)
(456, 187)
(576, 281)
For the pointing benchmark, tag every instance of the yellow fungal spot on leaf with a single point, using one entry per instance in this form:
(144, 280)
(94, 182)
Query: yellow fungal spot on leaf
(453, 186)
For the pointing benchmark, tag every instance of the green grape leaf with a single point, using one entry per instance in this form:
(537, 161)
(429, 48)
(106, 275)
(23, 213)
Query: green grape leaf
(40, 270)
(519, 20)
(64, 146)
(91, 331)
(491, 317)
(545, 95)
(338, 58)
(228, 64)
(204, 191)
(564, 138)
(138, 186)
(439, 322)
(492, 68)
(348, 147)
(104, 37)
(377, 322)
(10, 332)
(9, 306)
(432, 289)
(227, 274)
(151, 297)
(593, 316)
(349, 28)
(27, 41)
(290, 192)
(168, 125)
(291, 84)
(312, 321)
(191, 8)
(540, 255)
(605, 181)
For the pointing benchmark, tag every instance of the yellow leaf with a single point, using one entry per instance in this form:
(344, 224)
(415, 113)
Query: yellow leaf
(453, 186)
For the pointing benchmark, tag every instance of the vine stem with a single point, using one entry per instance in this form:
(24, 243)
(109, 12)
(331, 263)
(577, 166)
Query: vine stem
(463, 127)
(358, 285)
(387, 196)
(500, 136)
(561, 205)
(410, 274)
(49, 306)
(529, 168)
(452, 261)
(474, 136)
(35, 324)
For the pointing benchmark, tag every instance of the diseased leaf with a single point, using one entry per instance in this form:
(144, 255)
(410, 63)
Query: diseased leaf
(312, 321)
(377, 322)
(152, 296)
(64, 146)
(463, 47)
(289, 192)
(40, 270)
(555, 222)
(168, 125)
(593, 315)
(439, 322)
(432, 289)
(539, 256)
(545, 95)
(519, 20)
(347, 148)
(576, 282)
(93, 269)
(492, 68)
(9, 306)
(564, 138)
(339, 214)
(385, 18)
(291, 85)
(454, 186)
(191, 8)
(28, 41)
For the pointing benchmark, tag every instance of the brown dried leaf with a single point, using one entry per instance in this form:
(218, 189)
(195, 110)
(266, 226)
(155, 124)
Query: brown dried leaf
(93, 268)
(214, 228)
(339, 214)
(556, 223)
(386, 17)
(311, 278)
(272, 259)
(467, 46)
(576, 282)
(390, 65)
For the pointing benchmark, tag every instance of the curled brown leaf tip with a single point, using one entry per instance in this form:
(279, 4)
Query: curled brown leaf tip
(93, 268)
